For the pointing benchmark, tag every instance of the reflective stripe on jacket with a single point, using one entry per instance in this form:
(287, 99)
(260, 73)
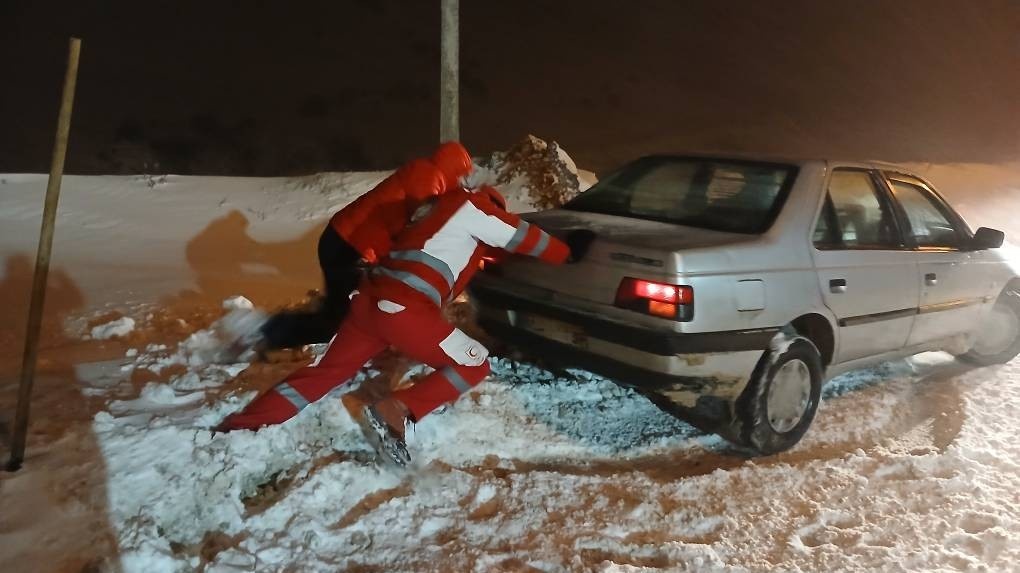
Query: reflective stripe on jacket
(432, 260)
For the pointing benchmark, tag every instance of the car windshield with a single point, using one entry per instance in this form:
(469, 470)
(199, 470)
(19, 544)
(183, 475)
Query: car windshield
(722, 195)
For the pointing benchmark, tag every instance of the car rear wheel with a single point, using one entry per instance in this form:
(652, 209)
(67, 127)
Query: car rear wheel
(998, 340)
(779, 404)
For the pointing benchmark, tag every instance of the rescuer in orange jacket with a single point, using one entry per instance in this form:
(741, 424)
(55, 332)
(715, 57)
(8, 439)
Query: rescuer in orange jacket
(399, 304)
(360, 233)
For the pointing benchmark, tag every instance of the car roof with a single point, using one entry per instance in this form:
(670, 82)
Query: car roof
(789, 160)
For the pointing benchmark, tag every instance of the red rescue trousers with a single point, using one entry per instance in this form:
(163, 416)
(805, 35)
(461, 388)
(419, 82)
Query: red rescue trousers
(420, 333)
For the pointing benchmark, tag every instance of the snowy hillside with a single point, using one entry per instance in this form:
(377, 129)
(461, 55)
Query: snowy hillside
(910, 466)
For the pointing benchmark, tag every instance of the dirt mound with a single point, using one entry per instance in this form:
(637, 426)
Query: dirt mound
(533, 174)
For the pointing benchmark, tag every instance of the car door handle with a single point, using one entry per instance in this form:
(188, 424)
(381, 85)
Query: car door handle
(837, 286)
(931, 279)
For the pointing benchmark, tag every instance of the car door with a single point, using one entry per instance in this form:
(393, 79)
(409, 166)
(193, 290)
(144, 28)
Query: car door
(952, 290)
(866, 273)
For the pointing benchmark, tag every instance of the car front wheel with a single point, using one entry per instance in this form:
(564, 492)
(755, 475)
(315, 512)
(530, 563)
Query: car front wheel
(998, 339)
(779, 404)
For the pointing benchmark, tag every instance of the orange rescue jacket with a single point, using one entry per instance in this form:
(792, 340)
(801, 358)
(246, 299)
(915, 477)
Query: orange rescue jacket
(370, 222)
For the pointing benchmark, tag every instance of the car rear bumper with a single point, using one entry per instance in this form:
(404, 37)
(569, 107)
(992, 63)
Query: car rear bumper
(630, 354)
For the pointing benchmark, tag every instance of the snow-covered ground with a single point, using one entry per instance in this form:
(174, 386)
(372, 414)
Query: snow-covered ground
(913, 465)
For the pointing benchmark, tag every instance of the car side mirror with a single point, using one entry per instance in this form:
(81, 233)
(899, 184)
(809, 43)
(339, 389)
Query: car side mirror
(986, 238)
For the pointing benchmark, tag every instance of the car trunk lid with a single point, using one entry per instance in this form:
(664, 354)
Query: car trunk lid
(623, 247)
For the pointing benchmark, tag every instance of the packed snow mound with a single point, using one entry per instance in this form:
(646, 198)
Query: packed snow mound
(532, 175)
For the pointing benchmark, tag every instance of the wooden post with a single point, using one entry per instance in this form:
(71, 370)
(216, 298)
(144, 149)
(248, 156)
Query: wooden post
(449, 90)
(42, 260)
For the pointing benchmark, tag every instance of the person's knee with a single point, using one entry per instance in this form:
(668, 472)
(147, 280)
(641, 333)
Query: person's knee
(464, 350)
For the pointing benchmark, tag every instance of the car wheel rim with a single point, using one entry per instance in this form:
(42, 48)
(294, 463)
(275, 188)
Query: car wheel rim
(999, 332)
(789, 395)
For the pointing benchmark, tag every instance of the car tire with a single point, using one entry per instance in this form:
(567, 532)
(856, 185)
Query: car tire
(787, 381)
(998, 339)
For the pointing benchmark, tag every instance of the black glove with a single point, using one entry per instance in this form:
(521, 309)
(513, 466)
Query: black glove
(579, 240)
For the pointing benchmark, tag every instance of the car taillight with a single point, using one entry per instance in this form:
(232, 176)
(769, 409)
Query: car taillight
(675, 302)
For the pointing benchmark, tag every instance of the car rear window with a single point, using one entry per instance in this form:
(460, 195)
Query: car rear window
(723, 195)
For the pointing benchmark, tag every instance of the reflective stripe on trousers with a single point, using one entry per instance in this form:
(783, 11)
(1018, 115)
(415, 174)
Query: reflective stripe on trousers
(413, 281)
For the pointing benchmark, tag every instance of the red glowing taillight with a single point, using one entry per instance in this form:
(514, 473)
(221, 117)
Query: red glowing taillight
(657, 299)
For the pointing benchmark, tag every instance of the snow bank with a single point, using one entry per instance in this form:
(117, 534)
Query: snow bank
(121, 242)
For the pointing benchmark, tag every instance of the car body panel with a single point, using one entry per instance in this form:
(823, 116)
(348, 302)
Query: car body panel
(746, 288)
(877, 309)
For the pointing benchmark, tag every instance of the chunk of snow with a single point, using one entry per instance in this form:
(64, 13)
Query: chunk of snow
(114, 329)
(237, 302)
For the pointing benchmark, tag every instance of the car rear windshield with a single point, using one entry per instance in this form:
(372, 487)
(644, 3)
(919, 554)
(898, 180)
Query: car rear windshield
(717, 194)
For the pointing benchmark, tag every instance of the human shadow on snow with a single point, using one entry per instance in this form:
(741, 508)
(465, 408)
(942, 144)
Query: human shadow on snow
(226, 261)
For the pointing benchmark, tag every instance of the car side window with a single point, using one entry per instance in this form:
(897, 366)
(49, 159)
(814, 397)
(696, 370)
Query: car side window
(856, 215)
(826, 231)
(929, 226)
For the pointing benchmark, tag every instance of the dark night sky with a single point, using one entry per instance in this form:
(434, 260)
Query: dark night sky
(280, 87)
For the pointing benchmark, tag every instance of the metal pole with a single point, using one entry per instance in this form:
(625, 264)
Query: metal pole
(449, 96)
(42, 260)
